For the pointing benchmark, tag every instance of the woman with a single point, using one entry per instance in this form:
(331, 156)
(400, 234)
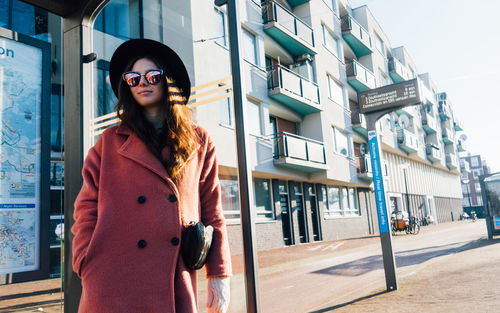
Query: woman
(142, 181)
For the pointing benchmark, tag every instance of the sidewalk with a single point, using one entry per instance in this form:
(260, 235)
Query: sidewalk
(462, 277)
(467, 281)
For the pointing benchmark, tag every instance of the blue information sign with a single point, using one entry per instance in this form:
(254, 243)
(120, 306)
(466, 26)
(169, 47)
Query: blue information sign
(378, 182)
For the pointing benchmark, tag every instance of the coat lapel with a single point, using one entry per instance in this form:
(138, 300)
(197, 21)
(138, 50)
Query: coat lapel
(134, 149)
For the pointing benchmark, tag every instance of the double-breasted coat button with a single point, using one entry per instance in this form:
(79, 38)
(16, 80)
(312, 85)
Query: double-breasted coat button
(142, 243)
(174, 241)
(141, 199)
(172, 198)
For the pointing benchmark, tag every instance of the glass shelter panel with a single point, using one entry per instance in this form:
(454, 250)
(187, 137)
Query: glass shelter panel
(197, 32)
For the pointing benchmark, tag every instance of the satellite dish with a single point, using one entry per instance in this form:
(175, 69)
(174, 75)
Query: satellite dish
(362, 148)
(404, 121)
(463, 137)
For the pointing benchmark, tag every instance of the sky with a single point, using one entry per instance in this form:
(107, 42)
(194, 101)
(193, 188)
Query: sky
(458, 43)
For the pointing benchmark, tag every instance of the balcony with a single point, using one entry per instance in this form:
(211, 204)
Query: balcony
(296, 3)
(357, 120)
(288, 30)
(434, 154)
(359, 77)
(451, 161)
(444, 110)
(429, 123)
(407, 141)
(447, 136)
(356, 36)
(461, 146)
(293, 90)
(398, 71)
(299, 153)
(457, 124)
(464, 166)
(364, 168)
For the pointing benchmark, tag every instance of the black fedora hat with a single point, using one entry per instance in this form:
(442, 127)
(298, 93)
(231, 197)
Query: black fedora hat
(171, 63)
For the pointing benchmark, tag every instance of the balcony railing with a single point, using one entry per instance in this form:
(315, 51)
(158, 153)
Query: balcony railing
(434, 154)
(293, 90)
(457, 124)
(444, 110)
(298, 152)
(451, 161)
(359, 76)
(447, 136)
(356, 36)
(464, 166)
(407, 141)
(429, 123)
(398, 71)
(364, 168)
(287, 29)
(461, 146)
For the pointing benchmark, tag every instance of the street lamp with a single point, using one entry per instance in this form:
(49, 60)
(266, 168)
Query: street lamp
(404, 167)
(466, 182)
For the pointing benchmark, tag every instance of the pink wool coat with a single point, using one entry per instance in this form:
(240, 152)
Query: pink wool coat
(128, 226)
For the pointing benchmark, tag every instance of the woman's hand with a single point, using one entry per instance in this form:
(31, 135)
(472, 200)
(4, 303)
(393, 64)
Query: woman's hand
(218, 293)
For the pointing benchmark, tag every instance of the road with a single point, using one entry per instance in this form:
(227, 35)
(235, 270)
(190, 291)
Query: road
(328, 273)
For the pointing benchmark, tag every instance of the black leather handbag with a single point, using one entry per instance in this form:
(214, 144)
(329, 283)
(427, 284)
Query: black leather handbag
(196, 242)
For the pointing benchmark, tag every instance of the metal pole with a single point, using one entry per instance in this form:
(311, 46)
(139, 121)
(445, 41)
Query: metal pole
(407, 196)
(244, 167)
(383, 220)
(468, 196)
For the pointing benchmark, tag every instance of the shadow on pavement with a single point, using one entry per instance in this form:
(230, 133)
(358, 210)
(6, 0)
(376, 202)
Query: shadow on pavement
(403, 258)
(338, 306)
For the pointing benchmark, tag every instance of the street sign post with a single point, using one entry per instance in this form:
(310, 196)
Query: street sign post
(375, 103)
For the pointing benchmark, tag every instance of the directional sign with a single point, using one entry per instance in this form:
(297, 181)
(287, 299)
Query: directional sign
(392, 96)
(378, 182)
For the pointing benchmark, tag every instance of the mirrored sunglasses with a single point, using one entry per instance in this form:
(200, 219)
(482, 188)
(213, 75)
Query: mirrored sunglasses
(133, 79)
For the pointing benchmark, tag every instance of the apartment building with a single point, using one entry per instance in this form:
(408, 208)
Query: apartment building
(304, 64)
(471, 189)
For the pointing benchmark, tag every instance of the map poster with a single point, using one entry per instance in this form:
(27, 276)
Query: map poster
(20, 155)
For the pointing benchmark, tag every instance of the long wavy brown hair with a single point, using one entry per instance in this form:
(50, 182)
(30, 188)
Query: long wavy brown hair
(179, 134)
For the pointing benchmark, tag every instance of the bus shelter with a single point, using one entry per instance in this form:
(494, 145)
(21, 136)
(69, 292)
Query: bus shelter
(490, 188)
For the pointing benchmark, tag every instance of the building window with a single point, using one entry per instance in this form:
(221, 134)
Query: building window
(262, 198)
(474, 161)
(253, 110)
(225, 110)
(342, 142)
(478, 187)
(341, 202)
(249, 46)
(220, 28)
(335, 91)
(379, 44)
(465, 189)
(476, 173)
(479, 201)
(230, 197)
(333, 202)
(330, 42)
(332, 4)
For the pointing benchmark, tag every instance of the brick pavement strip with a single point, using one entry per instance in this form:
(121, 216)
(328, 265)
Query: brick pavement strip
(32, 296)
(467, 281)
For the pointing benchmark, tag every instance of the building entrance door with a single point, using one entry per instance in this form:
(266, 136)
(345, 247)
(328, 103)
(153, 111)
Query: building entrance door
(280, 191)
(297, 197)
(312, 205)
